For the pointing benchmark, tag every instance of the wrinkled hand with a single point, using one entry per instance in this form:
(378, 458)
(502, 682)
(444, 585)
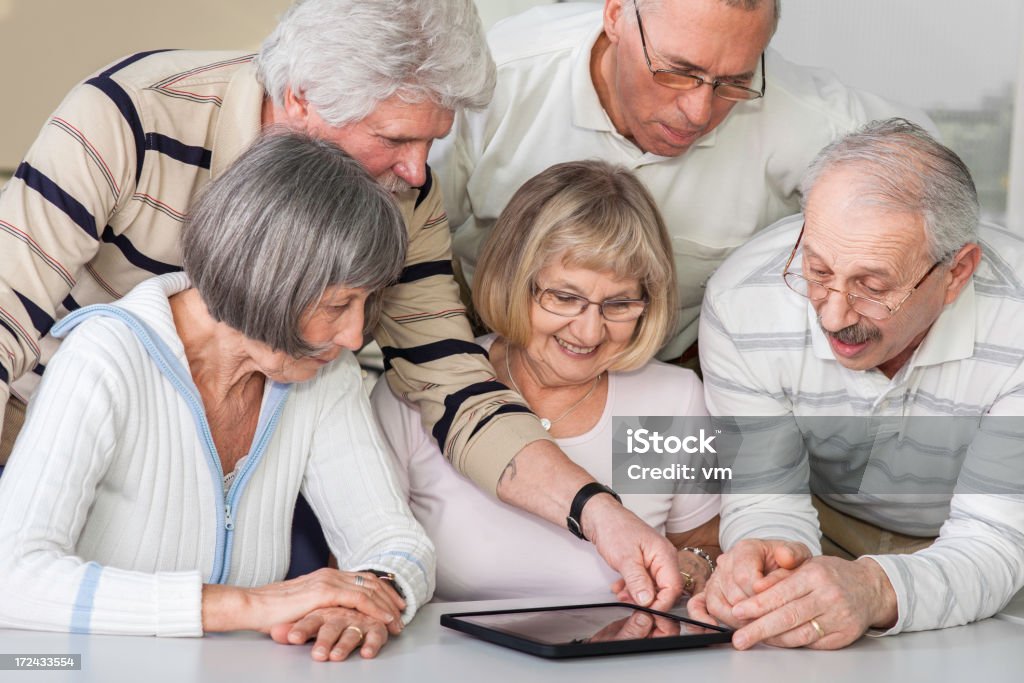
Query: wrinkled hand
(335, 631)
(644, 558)
(290, 601)
(843, 598)
(748, 566)
(687, 562)
(637, 625)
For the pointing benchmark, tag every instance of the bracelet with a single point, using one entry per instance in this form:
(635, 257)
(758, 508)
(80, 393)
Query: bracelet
(702, 554)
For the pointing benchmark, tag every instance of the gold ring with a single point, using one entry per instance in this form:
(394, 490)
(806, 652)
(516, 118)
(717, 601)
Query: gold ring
(817, 627)
(690, 583)
(353, 627)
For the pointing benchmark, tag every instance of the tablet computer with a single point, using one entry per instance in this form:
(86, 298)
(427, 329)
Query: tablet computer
(586, 630)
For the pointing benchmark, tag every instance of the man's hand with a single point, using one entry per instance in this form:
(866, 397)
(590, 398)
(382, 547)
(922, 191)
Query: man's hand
(749, 566)
(842, 598)
(645, 559)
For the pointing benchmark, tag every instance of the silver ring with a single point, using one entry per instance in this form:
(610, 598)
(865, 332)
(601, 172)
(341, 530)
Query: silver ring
(817, 627)
(359, 582)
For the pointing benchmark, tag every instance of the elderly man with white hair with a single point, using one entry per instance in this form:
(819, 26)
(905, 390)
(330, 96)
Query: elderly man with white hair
(98, 203)
(877, 342)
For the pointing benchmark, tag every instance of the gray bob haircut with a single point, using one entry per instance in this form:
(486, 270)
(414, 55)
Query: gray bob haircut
(346, 56)
(289, 218)
(901, 167)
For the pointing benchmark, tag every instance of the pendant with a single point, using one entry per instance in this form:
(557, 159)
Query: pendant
(545, 423)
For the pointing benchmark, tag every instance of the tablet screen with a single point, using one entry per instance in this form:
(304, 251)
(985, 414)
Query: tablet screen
(603, 623)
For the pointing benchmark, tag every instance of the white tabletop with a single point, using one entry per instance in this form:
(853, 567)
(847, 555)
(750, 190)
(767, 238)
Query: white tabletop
(988, 651)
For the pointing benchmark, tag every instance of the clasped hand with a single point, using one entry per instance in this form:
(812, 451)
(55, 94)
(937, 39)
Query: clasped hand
(775, 592)
(342, 610)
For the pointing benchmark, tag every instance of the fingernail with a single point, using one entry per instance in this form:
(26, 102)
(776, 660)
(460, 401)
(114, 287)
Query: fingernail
(741, 611)
(643, 620)
(320, 651)
(643, 597)
(295, 636)
(740, 642)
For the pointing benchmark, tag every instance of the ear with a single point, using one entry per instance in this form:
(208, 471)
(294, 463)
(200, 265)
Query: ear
(296, 109)
(964, 264)
(613, 19)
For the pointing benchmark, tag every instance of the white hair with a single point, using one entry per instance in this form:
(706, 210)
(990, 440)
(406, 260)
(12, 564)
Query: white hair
(903, 168)
(346, 56)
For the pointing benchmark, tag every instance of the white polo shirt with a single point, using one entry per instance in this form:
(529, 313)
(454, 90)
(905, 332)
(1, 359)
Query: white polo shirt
(739, 178)
(763, 354)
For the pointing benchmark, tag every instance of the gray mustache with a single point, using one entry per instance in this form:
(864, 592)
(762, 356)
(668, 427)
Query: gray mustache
(854, 334)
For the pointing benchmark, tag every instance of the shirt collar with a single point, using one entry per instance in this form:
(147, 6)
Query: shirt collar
(587, 111)
(950, 338)
(239, 122)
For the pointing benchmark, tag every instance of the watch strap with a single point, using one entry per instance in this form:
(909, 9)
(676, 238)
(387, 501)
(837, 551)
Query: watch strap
(587, 492)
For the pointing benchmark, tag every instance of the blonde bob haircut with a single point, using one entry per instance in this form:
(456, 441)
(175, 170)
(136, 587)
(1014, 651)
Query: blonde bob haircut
(584, 214)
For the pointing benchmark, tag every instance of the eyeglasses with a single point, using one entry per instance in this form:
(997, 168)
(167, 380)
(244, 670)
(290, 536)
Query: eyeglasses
(571, 305)
(865, 306)
(682, 80)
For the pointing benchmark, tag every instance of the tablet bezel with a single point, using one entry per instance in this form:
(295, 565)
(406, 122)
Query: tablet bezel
(562, 650)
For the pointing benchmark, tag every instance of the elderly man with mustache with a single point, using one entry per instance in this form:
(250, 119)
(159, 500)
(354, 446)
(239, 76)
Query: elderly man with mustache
(877, 341)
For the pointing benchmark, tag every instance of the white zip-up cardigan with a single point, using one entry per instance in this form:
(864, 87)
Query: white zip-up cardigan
(112, 511)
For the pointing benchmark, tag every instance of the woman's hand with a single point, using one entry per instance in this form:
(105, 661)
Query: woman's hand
(338, 632)
(231, 608)
(705, 536)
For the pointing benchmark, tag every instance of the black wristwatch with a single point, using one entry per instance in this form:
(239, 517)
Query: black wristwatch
(576, 509)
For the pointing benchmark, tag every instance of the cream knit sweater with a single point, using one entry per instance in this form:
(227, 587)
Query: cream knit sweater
(112, 515)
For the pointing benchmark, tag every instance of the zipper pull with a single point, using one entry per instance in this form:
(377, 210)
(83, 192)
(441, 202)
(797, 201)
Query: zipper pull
(229, 523)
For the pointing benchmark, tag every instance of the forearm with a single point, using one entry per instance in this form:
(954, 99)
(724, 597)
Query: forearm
(543, 480)
(970, 573)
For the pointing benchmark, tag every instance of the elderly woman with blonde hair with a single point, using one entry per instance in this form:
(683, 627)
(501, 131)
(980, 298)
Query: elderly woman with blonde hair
(578, 284)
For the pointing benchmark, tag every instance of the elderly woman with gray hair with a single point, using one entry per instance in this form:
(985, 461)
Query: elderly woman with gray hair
(152, 488)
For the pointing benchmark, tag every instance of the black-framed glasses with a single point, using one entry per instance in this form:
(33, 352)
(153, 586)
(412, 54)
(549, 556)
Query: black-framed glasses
(570, 305)
(682, 80)
(865, 306)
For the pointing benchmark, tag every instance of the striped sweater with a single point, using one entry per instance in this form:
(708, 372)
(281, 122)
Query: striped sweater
(112, 511)
(98, 203)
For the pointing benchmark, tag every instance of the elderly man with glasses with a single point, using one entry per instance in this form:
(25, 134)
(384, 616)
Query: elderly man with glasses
(879, 348)
(685, 93)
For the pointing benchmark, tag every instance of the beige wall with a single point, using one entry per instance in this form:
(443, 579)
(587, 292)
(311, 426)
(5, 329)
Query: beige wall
(46, 46)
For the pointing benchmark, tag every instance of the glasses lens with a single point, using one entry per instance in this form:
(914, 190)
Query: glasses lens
(622, 311)
(797, 283)
(869, 308)
(736, 93)
(562, 303)
(678, 81)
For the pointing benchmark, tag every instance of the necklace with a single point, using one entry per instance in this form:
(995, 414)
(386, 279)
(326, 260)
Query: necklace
(545, 422)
